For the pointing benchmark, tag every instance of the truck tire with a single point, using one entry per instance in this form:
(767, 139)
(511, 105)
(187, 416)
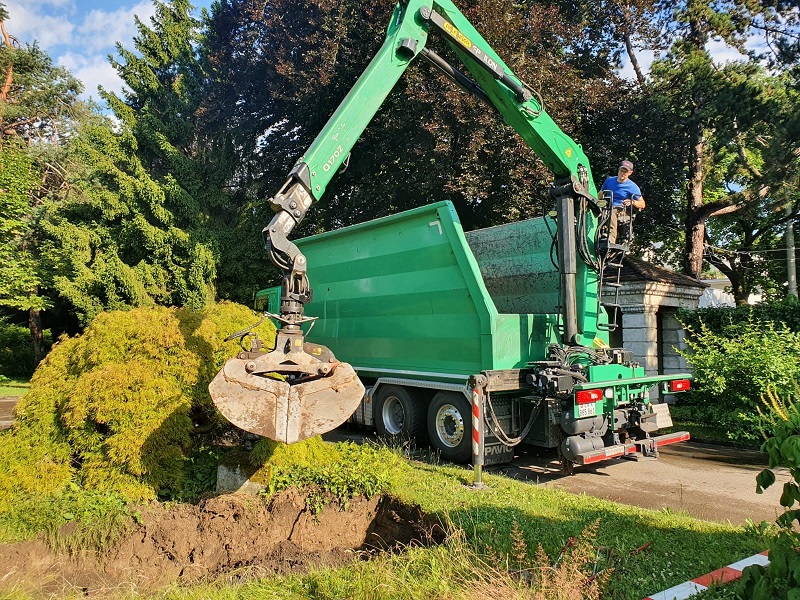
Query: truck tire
(399, 413)
(450, 426)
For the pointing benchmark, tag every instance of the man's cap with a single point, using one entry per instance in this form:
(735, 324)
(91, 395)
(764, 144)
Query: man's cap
(627, 165)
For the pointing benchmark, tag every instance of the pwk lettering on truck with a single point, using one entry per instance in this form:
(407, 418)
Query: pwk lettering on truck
(490, 450)
(336, 154)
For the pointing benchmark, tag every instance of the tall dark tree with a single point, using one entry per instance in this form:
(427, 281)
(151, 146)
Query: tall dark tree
(166, 83)
(282, 67)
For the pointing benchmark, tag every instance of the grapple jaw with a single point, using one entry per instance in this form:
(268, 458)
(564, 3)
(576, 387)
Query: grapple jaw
(297, 391)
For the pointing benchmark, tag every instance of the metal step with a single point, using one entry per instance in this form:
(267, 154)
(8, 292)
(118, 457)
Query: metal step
(619, 450)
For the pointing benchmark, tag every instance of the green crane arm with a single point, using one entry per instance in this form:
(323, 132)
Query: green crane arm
(494, 82)
(405, 39)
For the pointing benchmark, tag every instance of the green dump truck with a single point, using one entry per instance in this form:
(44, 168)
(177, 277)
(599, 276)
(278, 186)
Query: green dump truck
(426, 313)
(478, 342)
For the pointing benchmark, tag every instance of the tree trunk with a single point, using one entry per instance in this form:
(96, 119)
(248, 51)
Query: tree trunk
(37, 335)
(791, 262)
(695, 217)
(637, 69)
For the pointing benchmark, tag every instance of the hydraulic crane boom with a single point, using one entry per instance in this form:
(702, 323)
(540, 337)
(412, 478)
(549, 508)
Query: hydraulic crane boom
(315, 393)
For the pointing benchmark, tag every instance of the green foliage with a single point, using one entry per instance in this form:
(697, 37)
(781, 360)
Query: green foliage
(324, 471)
(719, 319)
(16, 350)
(733, 367)
(73, 520)
(118, 239)
(113, 409)
(19, 278)
(781, 579)
(186, 171)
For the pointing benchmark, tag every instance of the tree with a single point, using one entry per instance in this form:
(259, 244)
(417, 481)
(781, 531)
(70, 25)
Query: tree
(37, 99)
(719, 106)
(19, 279)
(282, 68)
(700, 129)
(167, 81)
(38, 103)
(110, 241)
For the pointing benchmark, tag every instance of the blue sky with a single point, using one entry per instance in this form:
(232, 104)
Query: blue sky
(80, 34)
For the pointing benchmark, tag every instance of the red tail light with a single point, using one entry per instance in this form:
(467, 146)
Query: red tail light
(680, 385)
(587, 396)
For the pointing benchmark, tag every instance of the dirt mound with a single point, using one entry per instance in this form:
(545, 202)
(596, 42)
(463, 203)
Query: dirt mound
(220, 535)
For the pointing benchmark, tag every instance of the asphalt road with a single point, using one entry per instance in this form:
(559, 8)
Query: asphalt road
(7, 404)
(707, 482)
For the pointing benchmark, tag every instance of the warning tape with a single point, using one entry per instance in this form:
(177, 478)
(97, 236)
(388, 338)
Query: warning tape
(700, 584)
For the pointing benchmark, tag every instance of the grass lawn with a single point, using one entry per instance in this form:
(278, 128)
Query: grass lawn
(507, 525)
(651, 550)
(13, 387)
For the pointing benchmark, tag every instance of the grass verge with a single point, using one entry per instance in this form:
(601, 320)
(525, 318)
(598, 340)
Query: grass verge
(13, 387)
(507, 526)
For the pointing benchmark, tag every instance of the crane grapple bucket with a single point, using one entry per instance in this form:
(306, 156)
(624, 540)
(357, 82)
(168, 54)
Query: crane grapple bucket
(288, 394)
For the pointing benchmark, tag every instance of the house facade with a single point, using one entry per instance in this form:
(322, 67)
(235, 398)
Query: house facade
(650, 298)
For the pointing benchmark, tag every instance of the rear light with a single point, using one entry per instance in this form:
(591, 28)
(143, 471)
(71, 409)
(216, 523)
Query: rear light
(680, 385)
(587, 396)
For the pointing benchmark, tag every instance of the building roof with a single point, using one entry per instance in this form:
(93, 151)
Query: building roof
(636, 269)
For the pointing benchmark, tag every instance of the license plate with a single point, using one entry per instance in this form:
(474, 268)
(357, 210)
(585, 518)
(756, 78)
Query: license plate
(586, 410)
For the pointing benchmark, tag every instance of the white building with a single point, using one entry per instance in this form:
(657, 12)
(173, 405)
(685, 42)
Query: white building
(650, 298)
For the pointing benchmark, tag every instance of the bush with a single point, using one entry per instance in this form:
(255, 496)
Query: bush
(733, 366)
(781, 579)
(113, 410)
(785, 312)
(323, 471)
(16, 350)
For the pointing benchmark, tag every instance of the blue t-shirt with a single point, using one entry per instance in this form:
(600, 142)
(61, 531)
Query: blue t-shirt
(622, 191)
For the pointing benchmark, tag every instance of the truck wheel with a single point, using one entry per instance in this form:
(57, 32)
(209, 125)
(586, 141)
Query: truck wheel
(450, 426)
(398, 413)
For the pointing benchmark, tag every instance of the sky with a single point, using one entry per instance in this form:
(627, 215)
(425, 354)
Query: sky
(80, 34)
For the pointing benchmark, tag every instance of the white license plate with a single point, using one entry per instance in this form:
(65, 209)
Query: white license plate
(586, 410)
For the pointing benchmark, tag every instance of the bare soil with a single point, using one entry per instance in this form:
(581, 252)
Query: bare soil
(231, 533)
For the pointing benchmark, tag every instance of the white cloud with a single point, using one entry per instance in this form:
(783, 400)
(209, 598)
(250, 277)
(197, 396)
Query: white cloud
(102, 29)
(55, 24)
(92, 70)
(722, 53)
(30, 23)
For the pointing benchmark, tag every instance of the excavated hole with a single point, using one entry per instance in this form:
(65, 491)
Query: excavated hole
(231, 536)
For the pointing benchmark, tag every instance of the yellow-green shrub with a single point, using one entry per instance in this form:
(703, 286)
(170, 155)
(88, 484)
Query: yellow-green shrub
(111, 409)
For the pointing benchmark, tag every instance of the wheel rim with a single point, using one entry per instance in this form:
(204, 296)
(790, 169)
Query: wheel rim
(449, 425)
(393, 415)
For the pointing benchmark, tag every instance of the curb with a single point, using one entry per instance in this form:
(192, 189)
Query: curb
(700, 584)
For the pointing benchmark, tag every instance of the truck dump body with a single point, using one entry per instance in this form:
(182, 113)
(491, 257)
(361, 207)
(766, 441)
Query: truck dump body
(422, 311)
(411, 295)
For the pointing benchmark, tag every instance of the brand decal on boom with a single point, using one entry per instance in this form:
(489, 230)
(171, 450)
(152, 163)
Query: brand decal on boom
(336, 154)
